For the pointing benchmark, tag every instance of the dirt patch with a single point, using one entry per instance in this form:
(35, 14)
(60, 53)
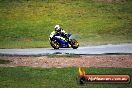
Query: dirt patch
(83, 60)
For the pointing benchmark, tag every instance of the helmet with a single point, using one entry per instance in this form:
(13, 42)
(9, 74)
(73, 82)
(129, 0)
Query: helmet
(57, 28)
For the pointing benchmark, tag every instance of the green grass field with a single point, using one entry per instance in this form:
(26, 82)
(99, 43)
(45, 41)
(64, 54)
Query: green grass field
(26, 77)
(28, 23)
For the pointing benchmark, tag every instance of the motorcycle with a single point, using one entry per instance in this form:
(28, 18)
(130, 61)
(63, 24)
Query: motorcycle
(57, 41)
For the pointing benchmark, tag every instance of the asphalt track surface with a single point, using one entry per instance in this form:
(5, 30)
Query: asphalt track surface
(100, 49)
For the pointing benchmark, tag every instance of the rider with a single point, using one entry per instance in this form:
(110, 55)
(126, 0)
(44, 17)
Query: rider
(59, 31)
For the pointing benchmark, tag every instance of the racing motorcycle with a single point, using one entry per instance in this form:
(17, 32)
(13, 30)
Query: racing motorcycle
(57, 41)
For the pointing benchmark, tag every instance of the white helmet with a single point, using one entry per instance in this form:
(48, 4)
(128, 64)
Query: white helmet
(57, 28)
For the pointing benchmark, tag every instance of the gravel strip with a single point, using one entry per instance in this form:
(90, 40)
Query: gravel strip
(60, 62)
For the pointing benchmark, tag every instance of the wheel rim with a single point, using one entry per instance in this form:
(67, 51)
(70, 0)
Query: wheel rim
(55, 44)
(74, 43)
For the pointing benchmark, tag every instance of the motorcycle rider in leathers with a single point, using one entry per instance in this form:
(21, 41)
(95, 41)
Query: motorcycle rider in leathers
(59, 31)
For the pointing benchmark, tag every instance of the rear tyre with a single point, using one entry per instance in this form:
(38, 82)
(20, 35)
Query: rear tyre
(74, 44)
(55, 44)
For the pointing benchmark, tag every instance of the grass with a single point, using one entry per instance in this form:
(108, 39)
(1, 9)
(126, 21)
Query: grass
(23, 44)
(26, 77)
(28, 23)
(2, 61)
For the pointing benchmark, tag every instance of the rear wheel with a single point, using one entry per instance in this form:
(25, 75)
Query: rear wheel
(55, 44)
(74, 44)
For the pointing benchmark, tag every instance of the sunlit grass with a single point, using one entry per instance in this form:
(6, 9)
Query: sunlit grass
(24, 44)
(24, 21)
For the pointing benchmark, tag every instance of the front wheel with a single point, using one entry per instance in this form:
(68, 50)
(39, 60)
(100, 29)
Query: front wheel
(74, 44)
(55, 44)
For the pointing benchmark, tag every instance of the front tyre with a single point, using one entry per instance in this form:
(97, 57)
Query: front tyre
(55, 44)
(74, 43)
